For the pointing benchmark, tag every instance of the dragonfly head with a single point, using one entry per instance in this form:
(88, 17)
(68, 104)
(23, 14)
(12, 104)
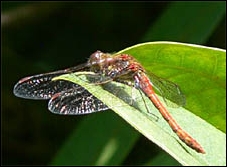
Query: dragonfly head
(98, 59)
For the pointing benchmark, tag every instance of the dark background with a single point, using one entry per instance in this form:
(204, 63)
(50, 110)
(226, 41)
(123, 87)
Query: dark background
(39, 37)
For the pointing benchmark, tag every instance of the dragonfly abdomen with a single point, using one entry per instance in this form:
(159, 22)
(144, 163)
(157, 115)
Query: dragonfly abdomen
(146, 86)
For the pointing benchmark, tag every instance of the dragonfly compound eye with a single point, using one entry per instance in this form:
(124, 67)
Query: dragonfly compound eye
(96, 57)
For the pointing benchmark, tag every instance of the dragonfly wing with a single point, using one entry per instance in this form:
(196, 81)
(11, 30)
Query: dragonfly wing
(168, 90)
(75, 102)
(41, 86)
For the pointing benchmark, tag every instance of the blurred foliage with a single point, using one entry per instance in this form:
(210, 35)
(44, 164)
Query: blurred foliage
(39, 37)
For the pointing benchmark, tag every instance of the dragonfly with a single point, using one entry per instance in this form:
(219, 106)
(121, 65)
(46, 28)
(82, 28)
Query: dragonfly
(72, 99)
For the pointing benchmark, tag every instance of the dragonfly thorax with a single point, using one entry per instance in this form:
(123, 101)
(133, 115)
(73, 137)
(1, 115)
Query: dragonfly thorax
(109, 65)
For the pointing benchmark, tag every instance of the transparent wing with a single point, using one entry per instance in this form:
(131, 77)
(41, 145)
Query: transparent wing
(168, 90)
(75, 102)
(41, 86)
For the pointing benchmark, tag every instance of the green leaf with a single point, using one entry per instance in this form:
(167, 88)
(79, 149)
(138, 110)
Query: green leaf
(199, 71)
(180, 22)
